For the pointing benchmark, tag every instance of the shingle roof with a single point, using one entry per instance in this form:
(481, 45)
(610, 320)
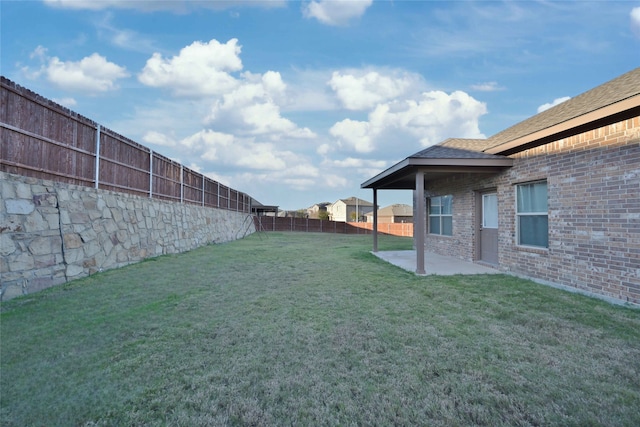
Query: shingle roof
(444, 152)
(616, 90)
(351, 201)
(467, 143)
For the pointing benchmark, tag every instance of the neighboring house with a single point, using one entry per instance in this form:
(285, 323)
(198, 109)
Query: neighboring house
(259, 209)
(555, 198)
(351, 209)
(393, 213)
(314, 210)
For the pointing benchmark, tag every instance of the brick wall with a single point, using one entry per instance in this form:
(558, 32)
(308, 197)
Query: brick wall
(593, 182)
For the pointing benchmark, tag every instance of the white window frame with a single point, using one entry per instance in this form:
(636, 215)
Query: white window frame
(439, 215)
(519, 215)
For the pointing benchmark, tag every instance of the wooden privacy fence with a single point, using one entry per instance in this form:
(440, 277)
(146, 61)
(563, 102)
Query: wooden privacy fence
(272, 223)
(42, 139)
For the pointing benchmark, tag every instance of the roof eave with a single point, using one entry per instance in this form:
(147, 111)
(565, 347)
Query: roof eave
(613, 113)
(409, 165)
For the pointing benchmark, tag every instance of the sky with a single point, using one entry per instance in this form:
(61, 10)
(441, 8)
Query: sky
(299, 102)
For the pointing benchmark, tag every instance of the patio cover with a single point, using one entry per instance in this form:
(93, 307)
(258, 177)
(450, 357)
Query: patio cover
(449, 157)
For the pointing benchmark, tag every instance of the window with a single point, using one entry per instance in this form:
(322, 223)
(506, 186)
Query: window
(532, 216)
(440, 215)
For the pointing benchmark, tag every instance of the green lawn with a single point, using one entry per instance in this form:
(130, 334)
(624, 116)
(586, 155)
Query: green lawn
(311, 329)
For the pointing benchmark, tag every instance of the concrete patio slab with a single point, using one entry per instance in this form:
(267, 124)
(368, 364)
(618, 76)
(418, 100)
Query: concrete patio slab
(434, 263)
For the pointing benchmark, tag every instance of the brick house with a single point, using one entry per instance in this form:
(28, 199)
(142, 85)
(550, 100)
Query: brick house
(555, 198)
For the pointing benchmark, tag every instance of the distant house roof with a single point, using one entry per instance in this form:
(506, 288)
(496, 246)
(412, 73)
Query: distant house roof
(258, 207)
(394, 210)
(351, 201)
(614, 101)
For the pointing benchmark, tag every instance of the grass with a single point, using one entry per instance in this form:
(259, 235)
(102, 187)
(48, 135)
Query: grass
(311, 329)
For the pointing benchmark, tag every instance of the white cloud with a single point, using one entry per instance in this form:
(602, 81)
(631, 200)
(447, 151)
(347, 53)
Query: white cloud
(251, 108)
(200, 69)
(122, 38)
(67, 102)
(432, 118)
(635, 21)
(351, 162)
(324, 149)
(180, 6)
(555, 102)
(227, 149)
(360, 91)
(336, 12)
(355, 134)
(487, 87)
(92, 74)
(158, 138)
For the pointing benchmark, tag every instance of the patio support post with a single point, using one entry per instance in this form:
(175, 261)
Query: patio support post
(375, 220)
(419, 222)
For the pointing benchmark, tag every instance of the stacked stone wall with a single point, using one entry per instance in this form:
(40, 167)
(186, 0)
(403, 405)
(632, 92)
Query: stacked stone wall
(51, 232)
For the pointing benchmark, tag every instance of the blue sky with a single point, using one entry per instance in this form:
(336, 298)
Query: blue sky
(297, 103)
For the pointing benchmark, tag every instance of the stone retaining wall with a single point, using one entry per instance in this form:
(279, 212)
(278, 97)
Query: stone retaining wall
(51, 233)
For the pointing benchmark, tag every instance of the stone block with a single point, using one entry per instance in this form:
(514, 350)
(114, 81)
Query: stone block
(43, 261)
(79, 217)
(23, 191)
(7, 246)
(53, 220)
(110, 226)
(74, 271)
(63, 195)
(45, 245)
(73, 255)
(8, 189)
(40, 283)
(110, 201)
(35, 222)
(95, 214)
(116, 214)
(122, 236)
(88, 235)
(72, 241)
(19, 206)
(91, 248)
(122, 256)
(21, 262)
(12, 291)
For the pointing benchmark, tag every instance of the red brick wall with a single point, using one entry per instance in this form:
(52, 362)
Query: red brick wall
(593, 182)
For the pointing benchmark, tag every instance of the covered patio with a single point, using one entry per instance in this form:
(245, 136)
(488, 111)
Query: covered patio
(453, 156)
(434, 263)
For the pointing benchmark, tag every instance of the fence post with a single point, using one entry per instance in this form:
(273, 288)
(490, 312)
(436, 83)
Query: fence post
(150, 173)
(181, 184)
(218, 203)
(228, 198)
(97, 156)
(203, 180)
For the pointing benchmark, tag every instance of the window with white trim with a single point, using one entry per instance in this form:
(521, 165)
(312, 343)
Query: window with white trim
(440, 215)
(532, 214)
